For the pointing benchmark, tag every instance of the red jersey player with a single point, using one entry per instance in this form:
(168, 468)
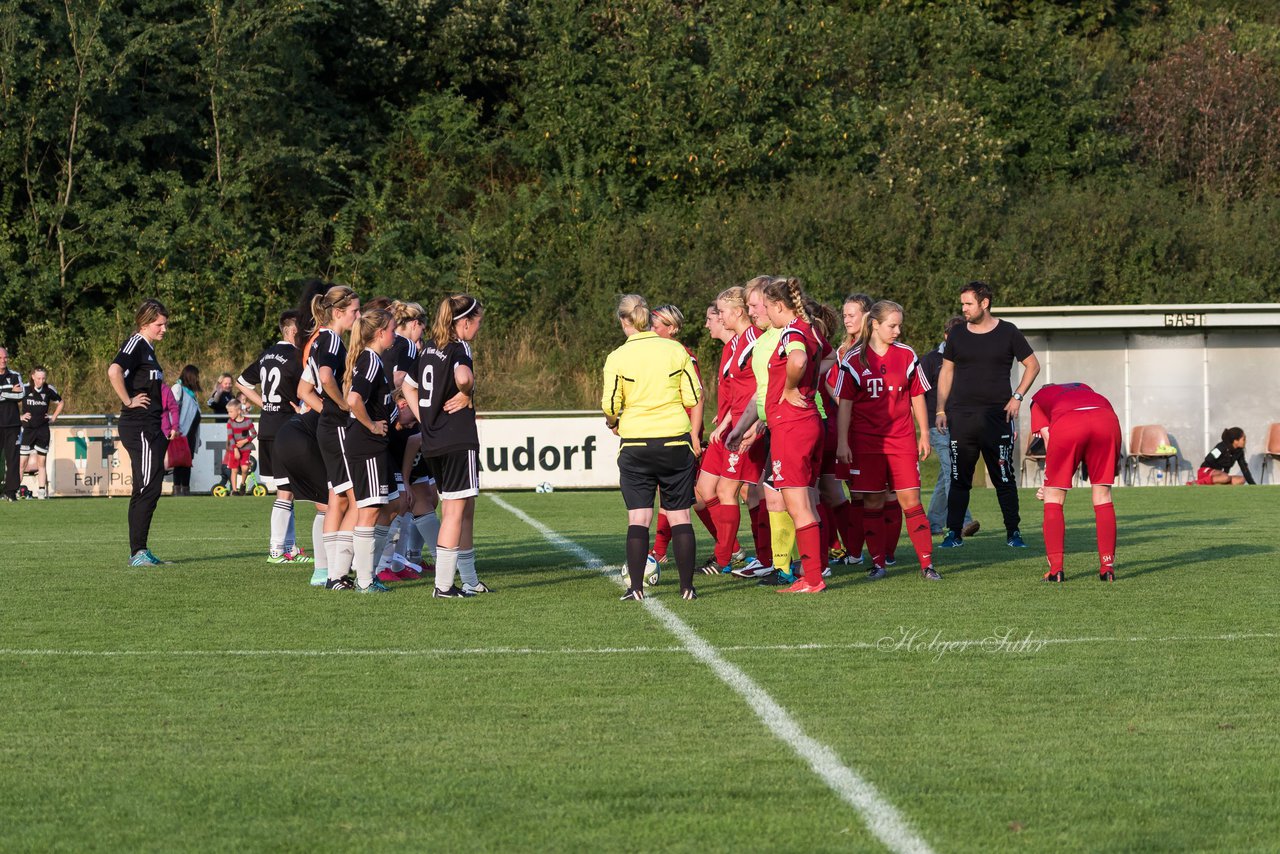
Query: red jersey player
(794, 424)
(882, 389)
(1077, 425)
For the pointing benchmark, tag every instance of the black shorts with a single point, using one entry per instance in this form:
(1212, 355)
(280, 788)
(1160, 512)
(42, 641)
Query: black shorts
(299, 467)
(420, 472)
(266, 469)
(648, 465)
(371, 482)
(457, 474)
(332, 439)
(35, 439)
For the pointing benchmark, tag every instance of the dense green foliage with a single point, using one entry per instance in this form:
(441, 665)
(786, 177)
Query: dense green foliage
(548, 156)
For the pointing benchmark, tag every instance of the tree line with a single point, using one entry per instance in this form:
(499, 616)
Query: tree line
(548, 156)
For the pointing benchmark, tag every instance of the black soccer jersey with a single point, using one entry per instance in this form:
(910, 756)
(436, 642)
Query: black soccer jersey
(402, 355)
(328, 351)
(37, 402)
(370, 381)
(10, 397)
(142, 375)
(443, 432)
(278, 371)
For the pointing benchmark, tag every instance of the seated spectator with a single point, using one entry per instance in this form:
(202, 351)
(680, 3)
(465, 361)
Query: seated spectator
(1216, 467)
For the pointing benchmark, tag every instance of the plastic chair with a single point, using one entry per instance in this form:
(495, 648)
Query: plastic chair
(1145, 444)
(1272, 450)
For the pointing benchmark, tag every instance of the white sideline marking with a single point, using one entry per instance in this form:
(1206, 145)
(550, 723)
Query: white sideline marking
(599, 650)
(881, 818)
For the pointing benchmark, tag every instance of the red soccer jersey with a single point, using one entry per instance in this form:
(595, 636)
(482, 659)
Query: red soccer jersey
(1053, 400)
(881, 394)
(740, 379)
(722, 383)
(777, 411)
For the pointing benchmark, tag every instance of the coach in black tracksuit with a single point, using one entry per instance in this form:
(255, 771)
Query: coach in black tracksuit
(10, 425)
(978, 409)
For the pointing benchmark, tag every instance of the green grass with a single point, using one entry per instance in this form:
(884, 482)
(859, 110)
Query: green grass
(1166, 742)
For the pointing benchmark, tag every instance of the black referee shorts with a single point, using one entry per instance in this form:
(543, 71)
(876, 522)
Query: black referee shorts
(646, 465)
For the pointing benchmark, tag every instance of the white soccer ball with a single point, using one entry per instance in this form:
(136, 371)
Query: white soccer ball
(544, 487)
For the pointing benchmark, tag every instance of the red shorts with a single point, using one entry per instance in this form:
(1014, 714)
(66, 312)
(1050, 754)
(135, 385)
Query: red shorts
(731, 465)
(1204, 477)
(877, 472)
(795, 450)
(1091, 436)
(234, 459)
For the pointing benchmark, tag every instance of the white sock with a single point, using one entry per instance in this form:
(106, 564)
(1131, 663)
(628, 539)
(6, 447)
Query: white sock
(362, 544)
(467, 567)
(345, 554)
(332, 543)
(281, 514)
(429, 528)
(410, 539)
(318, 549)
(381, 533)
(446, 564)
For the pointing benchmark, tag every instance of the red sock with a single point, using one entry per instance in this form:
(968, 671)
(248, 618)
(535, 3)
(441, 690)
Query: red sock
(809, 542)
(1105, 516)
(708, 516)
(728, 516)
(921, 539)
(892, 528)
(1055, 533)
(828, 528)
(858, 528)
(873, 532)
(762, 534)
(663, 537)
(845, 524)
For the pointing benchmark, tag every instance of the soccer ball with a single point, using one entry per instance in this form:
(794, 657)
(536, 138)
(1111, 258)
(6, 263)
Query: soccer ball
(544, 487)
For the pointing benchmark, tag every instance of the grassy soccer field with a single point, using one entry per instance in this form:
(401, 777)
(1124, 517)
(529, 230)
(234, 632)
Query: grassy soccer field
(221, 703)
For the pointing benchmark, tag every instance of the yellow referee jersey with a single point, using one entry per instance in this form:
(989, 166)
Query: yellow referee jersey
(648, 384)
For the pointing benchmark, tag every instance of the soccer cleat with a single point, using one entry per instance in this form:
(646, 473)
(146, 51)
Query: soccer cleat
(710, 567)
(278, 557)
(688, 593)
(1058, 576)
(633, 595)
(951, 541)
(876, 573)
(342, 583)
(970, 529)
(889, 560)
(930, 574)
(1106, 575)
(776, 578)
(738, 558)
(387, 575)
(802, 586)
(653, 569)
(826, 572)
(140, 559)
(408, 574)
(153, 560)
(375, 586)
(454, 592)
(1015, 541)
(478, 587)
(853, 560)
(319, 577)
(297, 555)
(752, 569)
(837, 555)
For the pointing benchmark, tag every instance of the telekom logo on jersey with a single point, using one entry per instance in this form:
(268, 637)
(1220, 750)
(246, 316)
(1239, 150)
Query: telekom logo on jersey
(875, 385)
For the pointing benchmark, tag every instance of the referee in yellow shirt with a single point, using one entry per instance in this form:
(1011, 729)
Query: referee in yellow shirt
(648, 384)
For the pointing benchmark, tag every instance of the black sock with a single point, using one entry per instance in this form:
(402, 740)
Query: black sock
(637, 551)
(685, 548)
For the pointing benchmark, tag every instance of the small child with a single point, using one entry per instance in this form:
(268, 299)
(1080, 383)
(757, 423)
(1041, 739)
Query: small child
(240, 436)
(1217, 465)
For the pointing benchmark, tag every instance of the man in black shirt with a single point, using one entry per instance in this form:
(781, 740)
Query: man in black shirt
(931, 365)
(11, 391)
(977, 409)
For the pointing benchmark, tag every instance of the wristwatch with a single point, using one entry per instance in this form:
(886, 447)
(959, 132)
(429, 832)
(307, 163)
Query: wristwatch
(1017, 395)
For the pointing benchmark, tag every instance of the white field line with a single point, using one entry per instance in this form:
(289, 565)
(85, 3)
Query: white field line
(882, 819)
(972, 643)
